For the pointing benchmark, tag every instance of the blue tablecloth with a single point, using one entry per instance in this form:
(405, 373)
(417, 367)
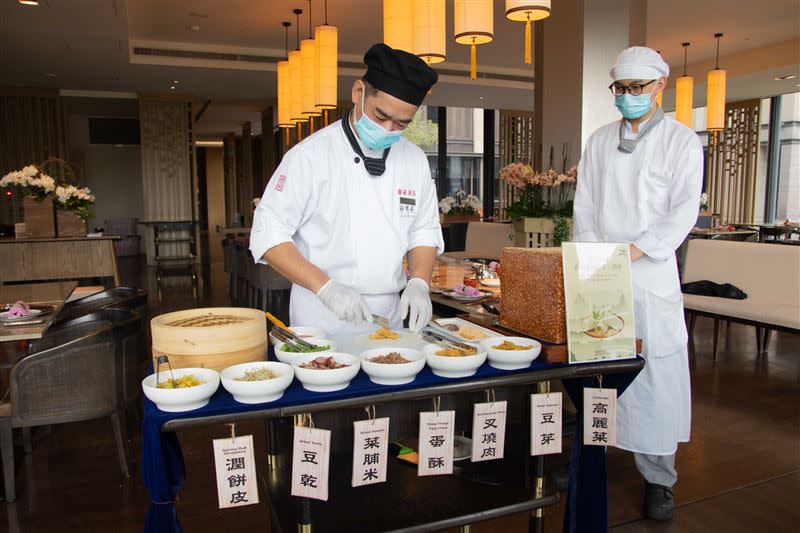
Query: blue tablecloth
(163, 470)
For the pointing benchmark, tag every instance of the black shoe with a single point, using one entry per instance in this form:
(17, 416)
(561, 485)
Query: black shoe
(659, 502)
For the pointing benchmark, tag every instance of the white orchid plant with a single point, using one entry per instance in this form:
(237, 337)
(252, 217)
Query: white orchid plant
(77, 200)
(34, 183)
(460, 203)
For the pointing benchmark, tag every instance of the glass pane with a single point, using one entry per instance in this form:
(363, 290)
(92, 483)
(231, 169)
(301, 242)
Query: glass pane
(789, 180)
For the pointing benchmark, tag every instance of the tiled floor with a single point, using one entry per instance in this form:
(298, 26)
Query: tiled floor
(740, 472)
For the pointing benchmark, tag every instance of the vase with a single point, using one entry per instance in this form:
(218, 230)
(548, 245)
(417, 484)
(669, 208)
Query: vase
(536, 232)
(39, 218)
(68, 224)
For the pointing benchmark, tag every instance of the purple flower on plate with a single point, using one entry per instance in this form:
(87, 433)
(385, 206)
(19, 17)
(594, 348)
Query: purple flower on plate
(493, 266)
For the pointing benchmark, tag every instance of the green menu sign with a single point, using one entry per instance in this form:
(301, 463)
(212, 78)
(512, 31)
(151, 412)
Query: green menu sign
(599, 298)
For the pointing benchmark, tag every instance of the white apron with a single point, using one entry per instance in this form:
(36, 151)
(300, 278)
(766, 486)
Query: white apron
(649, 198)
(355, 227)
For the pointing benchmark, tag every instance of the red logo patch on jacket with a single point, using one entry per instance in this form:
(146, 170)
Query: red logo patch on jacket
(280, 184)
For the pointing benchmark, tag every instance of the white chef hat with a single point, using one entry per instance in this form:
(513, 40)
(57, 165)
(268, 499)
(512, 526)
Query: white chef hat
(639, 63)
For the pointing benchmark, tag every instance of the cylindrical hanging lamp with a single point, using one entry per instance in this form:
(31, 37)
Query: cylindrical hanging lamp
(474, 25)
(327, 38)
(684, 89)
(296, 79)
(715, 103)
(397, 28)
(527, 11)
(429, 30)
(308, 52)
(284, 87)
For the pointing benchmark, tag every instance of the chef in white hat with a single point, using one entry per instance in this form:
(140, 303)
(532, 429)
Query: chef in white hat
(639, 182)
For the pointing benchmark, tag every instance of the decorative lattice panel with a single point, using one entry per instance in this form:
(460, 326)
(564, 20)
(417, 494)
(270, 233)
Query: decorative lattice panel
(517, 145)
(732, 165)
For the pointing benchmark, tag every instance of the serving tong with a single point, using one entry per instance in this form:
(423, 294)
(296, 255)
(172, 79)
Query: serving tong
(163, 359)
(292, 340)
(443, 339)
(381, 321)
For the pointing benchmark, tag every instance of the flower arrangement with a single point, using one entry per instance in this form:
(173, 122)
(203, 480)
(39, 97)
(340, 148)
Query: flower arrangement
(34, 183)
(256, 201)
(541, 194)
(460, 203)
(77, 200)
(39, 186)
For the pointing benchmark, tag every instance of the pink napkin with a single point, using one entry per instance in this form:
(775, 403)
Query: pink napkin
(19, 309)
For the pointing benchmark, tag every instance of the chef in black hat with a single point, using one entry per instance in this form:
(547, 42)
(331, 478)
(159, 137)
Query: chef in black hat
(348, 203)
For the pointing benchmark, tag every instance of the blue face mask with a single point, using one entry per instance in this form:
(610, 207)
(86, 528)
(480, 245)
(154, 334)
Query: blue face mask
(372, 134)
(633, 107)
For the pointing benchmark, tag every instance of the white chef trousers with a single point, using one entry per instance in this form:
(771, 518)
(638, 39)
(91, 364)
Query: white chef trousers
(657, 469)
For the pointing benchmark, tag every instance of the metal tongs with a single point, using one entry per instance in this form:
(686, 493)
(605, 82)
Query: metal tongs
(292, 340)
(442, 339)
(163, 359)
(381, 321)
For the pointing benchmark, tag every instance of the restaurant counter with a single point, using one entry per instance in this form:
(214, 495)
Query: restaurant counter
(429, 503)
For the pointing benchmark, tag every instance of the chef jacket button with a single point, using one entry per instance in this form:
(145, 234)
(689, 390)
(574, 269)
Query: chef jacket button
(356, 160)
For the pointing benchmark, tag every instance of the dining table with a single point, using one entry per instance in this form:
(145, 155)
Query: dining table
(53, 293)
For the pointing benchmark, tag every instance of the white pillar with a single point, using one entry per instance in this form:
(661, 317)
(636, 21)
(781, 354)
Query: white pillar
(581, 40)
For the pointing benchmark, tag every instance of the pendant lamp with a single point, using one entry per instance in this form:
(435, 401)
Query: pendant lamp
(715, 103)
(284, 87)
(527, 11)
(429, 20)
(397, 28)
(684, 89)
(474, 25)
(296, 79)
(327, 38)
(308, 52)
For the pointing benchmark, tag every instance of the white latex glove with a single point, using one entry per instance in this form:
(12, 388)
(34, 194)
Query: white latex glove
(346, 303)
(415, 303)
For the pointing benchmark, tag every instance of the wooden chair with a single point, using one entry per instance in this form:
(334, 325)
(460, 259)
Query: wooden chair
(485, 240)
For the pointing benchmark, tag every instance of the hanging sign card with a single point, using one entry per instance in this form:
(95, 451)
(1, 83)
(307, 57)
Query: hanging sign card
(370, 451)
(436, 432)
(236, 471)
(600, 417)
(310, 462)
(489, 431)
(598, 293)
(546, 423)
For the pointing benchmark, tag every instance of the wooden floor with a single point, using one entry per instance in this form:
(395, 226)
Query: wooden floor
(739, 473)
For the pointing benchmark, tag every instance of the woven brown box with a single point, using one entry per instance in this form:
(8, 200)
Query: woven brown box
(533, 293)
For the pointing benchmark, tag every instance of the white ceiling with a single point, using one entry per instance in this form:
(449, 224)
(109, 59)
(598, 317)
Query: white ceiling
(85, 45)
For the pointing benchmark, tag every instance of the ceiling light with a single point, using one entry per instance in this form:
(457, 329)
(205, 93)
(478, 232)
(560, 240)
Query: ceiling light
(473, 25)
(29, 2)
(397, 25)
(527, 11)
(326, 81)
(429, 30)
(173, 87)
(715, 102)
(194, 27)
(787, 77)
(175, 82)
(684, 90)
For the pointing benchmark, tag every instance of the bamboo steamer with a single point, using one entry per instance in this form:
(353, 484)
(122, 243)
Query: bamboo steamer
(211, 337)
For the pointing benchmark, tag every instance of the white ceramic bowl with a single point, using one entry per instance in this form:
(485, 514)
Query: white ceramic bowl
(453, 367)
(289, 357)
(306, 332)
(267, 390)
(511, 359)
(326, 380)
(393, 374)
(177, 400)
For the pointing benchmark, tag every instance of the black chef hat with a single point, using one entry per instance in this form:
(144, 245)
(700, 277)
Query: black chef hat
(398, 73)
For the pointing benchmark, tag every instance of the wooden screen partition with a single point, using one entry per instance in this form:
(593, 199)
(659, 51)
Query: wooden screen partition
(229, 163)
(517, 145)
(168, 169)
(247, 174)
(732, 165)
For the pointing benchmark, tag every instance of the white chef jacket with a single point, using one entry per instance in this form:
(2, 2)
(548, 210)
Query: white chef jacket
(355, 227)
(649, 198)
